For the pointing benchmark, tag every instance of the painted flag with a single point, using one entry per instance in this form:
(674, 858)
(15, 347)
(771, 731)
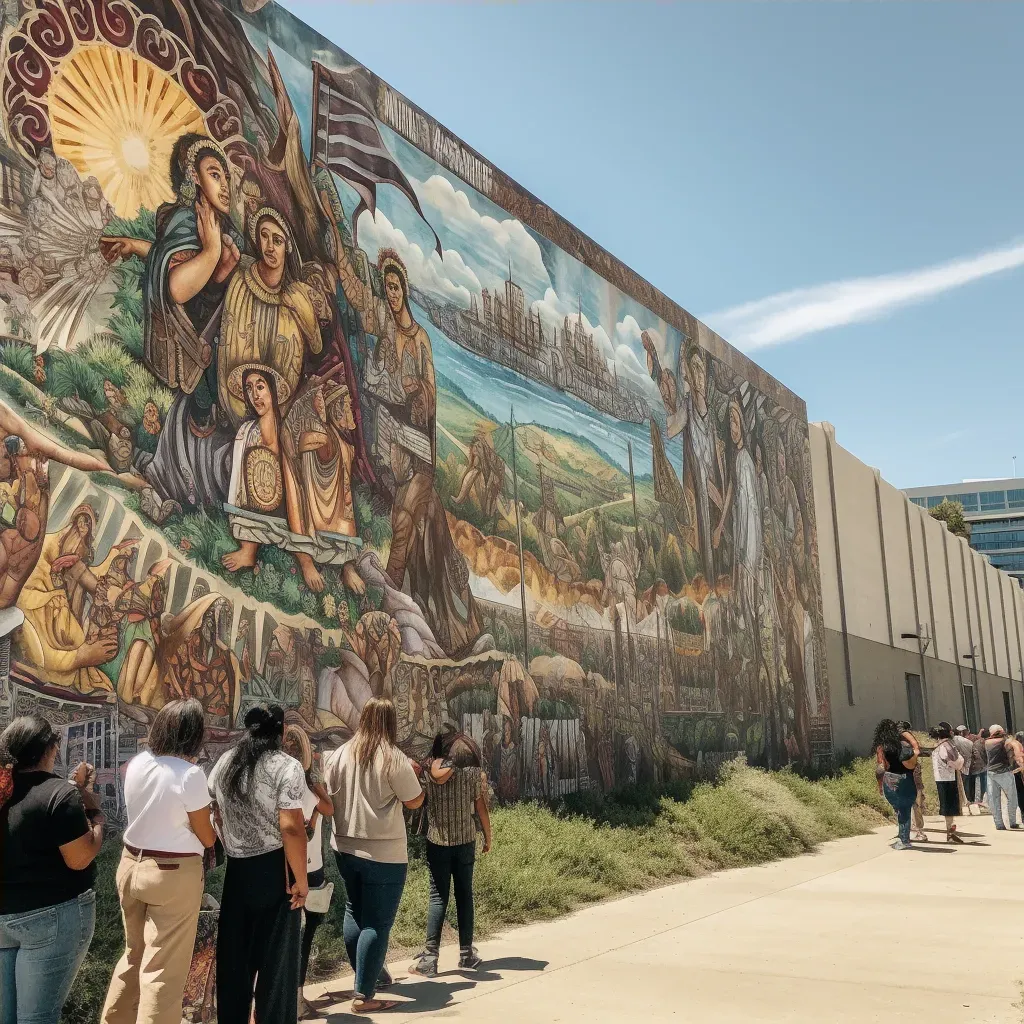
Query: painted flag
(348, 142)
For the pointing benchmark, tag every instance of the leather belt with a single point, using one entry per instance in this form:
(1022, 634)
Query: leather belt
(158, 854)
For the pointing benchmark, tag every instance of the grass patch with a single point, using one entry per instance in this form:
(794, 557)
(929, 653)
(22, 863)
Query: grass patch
(547, 862)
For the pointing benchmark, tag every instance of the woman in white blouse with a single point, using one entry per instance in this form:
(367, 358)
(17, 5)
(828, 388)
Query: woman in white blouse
(160, 878)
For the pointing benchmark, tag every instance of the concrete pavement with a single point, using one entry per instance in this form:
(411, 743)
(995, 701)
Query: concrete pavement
(855, 932)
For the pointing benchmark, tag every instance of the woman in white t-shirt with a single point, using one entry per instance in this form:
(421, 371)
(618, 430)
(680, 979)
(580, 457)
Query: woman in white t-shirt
(258, 791)
(316, 805)
(946, 762)
(160, 878)
(370, 779)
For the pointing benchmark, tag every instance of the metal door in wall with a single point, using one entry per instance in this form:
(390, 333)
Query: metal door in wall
(915, 703)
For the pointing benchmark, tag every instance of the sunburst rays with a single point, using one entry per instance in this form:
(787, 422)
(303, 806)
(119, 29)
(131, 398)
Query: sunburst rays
(116, 116)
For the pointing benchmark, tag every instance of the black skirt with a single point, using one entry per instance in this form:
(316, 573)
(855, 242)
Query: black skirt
(949, 799)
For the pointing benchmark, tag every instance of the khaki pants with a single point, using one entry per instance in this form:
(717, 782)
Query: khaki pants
(160, 906)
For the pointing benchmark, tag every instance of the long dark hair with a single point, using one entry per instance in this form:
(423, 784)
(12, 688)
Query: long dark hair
(887, 736)
(178, 730)
(264, 731)
(26, 741)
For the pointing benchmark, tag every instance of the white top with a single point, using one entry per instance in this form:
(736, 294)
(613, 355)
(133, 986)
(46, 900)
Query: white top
(369, 821)
(159, 792)
(315, 847)
(251, 826)
(945, 762)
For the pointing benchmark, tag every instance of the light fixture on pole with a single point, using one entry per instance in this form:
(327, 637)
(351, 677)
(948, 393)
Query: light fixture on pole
(921, 636)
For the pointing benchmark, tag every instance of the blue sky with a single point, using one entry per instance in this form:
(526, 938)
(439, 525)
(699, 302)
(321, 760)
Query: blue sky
(860, 164)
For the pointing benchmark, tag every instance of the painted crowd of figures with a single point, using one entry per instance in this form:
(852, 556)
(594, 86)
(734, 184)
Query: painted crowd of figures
(302, 497)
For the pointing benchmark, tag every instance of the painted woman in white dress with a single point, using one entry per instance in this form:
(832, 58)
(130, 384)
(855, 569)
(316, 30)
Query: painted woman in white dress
(257, 481)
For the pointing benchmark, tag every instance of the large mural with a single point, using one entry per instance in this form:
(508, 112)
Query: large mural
(305, 401)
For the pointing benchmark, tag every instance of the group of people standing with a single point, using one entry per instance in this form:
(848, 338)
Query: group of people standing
(972, 773)
(262, 808)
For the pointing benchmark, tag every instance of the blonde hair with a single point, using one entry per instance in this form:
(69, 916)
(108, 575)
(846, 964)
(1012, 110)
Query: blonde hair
(377, 732)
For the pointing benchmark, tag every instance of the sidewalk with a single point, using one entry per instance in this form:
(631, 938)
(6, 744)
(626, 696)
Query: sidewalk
(854, 933)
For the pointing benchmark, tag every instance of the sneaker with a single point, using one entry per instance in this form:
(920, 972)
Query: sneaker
(900, 845)
(470, 960)
(425, 966)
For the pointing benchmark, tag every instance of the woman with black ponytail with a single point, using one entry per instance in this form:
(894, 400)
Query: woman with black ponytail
(258, 792)
(51, 831)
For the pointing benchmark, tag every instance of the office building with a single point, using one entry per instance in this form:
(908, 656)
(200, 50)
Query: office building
(995, 511)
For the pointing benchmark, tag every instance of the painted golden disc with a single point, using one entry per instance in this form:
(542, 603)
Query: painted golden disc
(263, 478)
(116, 116)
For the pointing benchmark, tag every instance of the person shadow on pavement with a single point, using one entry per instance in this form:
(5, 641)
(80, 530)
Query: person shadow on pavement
(429, 995)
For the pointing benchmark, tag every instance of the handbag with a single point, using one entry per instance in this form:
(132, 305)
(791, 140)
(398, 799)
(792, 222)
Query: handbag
(318, 901)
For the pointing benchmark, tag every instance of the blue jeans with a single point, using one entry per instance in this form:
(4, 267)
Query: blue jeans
(999, 783)
(40, 954)
(901, 792)
(448, 866)
(372, 893)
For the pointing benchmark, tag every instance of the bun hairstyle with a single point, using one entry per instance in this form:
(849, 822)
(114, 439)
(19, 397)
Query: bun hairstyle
(26, 741)
(264, 731)
(23, 744)
(943, 731)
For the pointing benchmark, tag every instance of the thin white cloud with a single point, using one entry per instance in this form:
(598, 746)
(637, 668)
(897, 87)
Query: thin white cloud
(795, 314)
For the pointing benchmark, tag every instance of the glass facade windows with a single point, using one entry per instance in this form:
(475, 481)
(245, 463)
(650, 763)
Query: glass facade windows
(1009, 563)
(993, 501)
(998, 541)
(969, 501)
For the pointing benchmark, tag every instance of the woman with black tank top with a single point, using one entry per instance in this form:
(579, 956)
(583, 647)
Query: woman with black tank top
(897, 758)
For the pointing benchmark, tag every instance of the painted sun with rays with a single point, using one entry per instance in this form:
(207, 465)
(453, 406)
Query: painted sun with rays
(116, 116)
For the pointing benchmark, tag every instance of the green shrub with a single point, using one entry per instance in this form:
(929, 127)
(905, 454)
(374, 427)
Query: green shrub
(110, 360)
(547, 862)
(71, 376)
(142, 387)
(19, 358)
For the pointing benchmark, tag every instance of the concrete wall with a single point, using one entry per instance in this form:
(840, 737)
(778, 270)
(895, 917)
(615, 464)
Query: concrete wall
(889, 569)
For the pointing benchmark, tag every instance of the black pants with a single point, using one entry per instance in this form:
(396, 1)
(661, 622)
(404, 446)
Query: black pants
(257, 943)
(450, 865)
(310, 924)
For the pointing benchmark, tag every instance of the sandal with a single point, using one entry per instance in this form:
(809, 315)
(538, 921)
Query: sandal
(920, 837)
(367, 1006)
